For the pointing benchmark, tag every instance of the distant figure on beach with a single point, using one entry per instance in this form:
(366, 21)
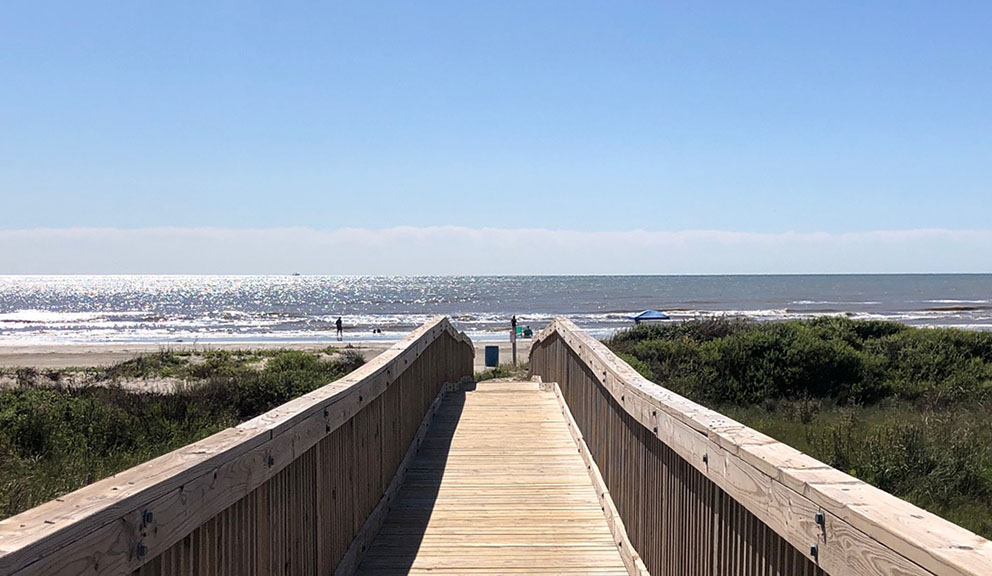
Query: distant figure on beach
(513, 323)
(340, 328)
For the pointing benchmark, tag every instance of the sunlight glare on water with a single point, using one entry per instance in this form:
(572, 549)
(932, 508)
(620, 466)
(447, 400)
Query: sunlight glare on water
(97, 309)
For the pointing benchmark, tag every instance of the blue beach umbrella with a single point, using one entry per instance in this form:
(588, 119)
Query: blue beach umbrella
(649, 315)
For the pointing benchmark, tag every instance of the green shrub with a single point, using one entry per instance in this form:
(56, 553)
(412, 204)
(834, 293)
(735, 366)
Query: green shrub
(848, 361)
(55, 439)
(642, 368)
(905, 409)
(519, 372)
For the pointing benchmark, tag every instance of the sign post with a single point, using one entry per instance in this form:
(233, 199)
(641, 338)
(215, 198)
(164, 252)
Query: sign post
(513, 339)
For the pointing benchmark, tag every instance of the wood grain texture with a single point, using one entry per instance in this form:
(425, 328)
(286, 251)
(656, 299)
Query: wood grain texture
(631, 559)
(867, 531)
(266, 496)
(645, 480)
(498, 487)
(370, 528)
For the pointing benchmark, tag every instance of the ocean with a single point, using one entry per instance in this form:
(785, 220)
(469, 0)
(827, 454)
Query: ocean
(231, 309)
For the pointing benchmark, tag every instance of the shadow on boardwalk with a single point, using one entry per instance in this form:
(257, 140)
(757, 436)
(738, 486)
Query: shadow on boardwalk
(399, 540)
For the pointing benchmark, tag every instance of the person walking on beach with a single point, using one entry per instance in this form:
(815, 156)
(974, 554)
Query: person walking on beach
(340, 329)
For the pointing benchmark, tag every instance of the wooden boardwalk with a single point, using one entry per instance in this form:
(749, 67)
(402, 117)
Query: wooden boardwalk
(498, 487)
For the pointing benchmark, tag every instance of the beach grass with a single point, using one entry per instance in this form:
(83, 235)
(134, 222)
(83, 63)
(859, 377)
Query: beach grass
(56, 437)
(906, 409)
(519, 372)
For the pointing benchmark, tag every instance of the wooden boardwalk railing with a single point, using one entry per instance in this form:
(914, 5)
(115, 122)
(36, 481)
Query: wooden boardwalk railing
(285, 493)
(304, 489)
(700, 494)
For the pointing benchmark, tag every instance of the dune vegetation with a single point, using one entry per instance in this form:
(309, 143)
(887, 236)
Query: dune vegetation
(519, 372)
(63, 429)
(906, 409)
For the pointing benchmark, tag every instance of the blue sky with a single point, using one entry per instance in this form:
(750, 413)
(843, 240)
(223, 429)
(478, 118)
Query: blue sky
(763, 118)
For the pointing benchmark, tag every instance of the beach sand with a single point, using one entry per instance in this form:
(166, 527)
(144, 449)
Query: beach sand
(87, 355)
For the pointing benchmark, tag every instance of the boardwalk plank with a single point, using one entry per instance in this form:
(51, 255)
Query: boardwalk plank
(498, 487)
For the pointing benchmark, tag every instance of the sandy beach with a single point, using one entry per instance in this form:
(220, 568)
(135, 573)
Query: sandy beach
(87, 355)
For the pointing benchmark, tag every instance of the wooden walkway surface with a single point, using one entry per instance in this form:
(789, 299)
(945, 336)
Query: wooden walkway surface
(498, 487)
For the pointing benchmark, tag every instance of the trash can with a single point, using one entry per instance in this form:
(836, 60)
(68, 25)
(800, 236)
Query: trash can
(492, 356)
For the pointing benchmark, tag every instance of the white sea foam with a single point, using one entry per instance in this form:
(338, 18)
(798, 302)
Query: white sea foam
(80, 309)
(47, 316)
(834, 303)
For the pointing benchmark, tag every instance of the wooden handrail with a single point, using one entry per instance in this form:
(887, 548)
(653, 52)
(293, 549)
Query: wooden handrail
(118, 524)
(842, 524)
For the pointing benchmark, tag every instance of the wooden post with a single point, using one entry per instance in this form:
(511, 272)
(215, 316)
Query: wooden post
(513, 344)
